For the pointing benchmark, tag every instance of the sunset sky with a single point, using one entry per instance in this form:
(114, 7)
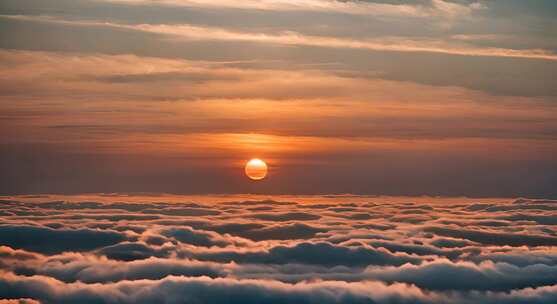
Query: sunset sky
(421, 97)
(278, 152)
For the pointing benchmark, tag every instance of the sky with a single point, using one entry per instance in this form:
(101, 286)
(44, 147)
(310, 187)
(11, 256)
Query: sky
(424, 97)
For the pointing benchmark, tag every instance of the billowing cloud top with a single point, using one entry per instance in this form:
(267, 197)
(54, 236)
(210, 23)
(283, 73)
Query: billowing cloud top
(234, 249)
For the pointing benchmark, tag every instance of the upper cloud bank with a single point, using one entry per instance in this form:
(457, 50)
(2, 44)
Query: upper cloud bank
(193, 32)
(435, 8)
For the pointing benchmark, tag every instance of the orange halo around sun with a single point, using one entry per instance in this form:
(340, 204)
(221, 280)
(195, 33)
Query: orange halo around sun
(256, 169)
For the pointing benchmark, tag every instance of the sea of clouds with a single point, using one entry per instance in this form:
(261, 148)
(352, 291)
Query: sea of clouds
(340, 249)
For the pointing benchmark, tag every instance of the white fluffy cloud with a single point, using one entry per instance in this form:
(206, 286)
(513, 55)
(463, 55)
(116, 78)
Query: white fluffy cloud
(235, 253)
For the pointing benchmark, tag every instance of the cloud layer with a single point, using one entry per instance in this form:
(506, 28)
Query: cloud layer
(315, 249)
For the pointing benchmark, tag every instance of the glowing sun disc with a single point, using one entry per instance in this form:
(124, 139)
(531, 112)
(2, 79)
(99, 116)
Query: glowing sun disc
(256, 169)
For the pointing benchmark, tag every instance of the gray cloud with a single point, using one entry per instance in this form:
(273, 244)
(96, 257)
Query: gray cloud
(48, 240)
(491, 238)
(132, 252)
(324, 254)
(284, 217)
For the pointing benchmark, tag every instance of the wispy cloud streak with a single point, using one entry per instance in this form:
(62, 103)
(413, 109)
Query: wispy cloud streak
(394, 44)
(437, 8)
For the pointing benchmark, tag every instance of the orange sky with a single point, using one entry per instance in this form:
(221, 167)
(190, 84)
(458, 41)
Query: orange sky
(115, 101)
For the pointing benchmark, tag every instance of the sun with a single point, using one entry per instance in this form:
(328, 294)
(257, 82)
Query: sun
(256, 169)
